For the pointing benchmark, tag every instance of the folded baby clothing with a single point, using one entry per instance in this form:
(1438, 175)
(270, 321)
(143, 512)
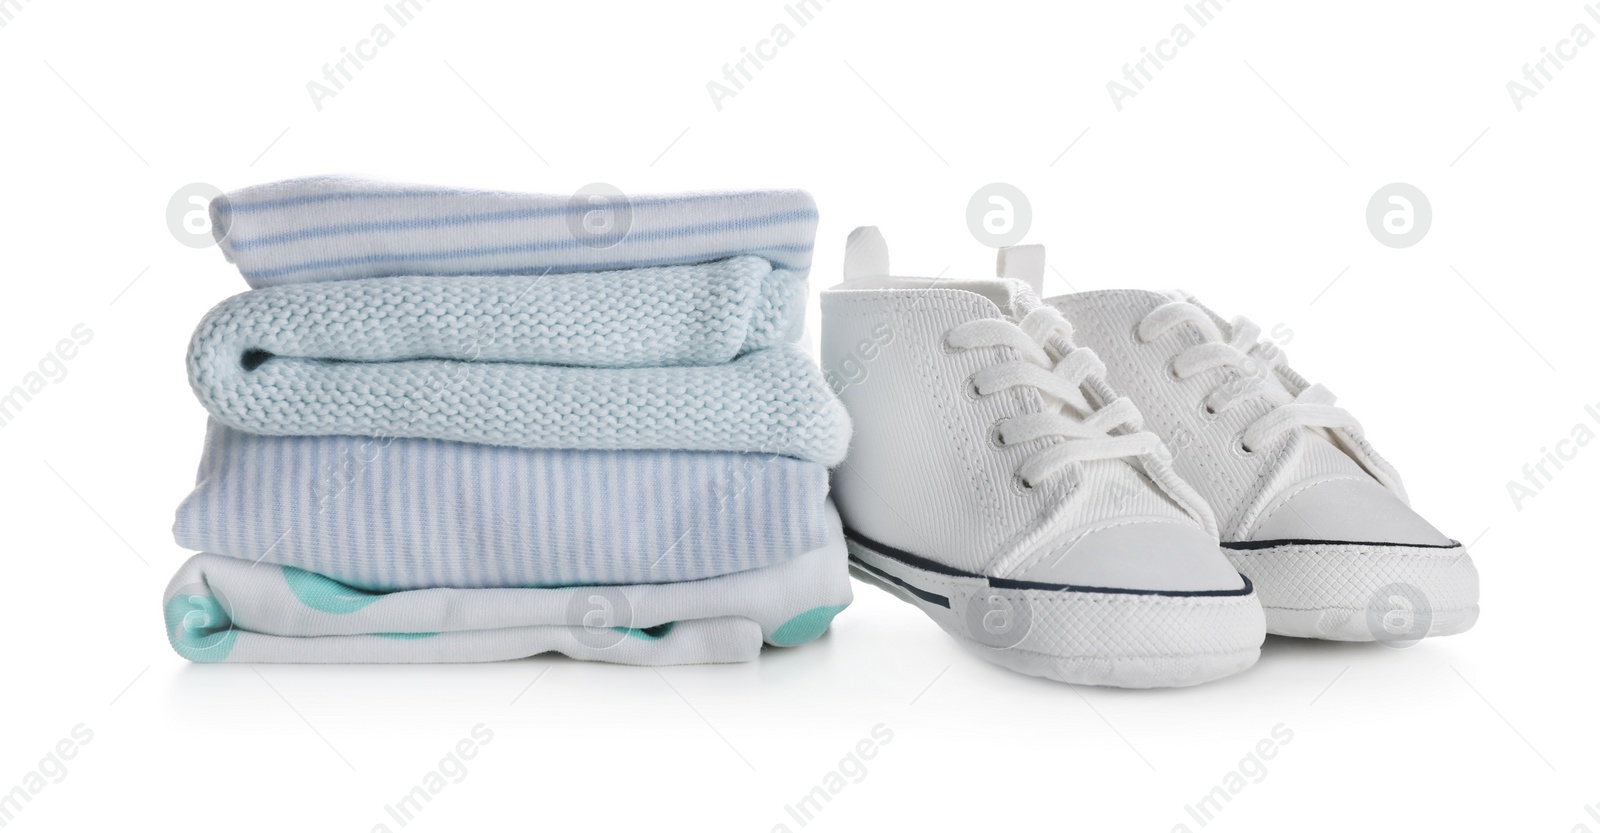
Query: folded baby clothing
(337, 228)
(700, 314)
(529, 361)
(771, 401)
(220, 609)
(496, 516)
(447, 425)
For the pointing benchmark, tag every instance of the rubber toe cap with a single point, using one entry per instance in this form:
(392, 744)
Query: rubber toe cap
(1157, 556)
(1346, 510)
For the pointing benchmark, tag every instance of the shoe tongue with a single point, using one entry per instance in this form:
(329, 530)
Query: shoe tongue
(1019, 299)
(1014, 298)
(1223, 325)
(1016, 292)
(1022, 263)
(1322, 456)
(1273, 386)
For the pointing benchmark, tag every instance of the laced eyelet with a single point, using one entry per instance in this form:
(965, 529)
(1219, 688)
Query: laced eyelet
(971, 388)
(1020, 486)
(995, 439)
(1172, 371)
(1207, 412)
(1240, 448)
(947, 347)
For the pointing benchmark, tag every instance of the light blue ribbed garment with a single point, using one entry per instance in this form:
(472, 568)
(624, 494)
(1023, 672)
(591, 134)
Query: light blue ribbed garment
(337, 228)
(401, 514)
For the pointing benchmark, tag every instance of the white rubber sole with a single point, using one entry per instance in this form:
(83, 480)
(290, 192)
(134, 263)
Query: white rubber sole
(1362, 592)
(1079, 636)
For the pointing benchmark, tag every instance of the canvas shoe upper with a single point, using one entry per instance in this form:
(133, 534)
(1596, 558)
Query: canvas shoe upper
(998, 483)
(1306, 507)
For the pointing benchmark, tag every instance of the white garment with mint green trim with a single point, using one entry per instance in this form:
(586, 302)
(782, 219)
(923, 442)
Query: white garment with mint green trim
(220, 609)
(334, 228)
(399, 514)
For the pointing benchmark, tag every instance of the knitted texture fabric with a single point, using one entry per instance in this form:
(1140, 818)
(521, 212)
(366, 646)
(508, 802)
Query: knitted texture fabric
(470, 516)
(453, 425)
(772, 401)
(336, 228)
(677, 315)
(220, 609)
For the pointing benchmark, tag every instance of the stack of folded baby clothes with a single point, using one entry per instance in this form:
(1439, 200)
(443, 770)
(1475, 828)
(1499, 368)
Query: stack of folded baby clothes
(452, 425)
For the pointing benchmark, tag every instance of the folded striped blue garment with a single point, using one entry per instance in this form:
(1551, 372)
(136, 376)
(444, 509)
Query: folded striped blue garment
(337, 228)
(220, 609)
(395, 514)
(699, 314)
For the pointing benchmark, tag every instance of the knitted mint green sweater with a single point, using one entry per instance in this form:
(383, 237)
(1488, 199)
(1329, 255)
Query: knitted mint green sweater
(532, 361)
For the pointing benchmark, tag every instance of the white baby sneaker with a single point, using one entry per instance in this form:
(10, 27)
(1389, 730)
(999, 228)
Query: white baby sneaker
(996, 482)
(1308, 510)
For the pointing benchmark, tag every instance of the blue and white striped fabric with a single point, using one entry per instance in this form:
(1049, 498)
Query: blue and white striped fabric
(334, 228)
(397, 514)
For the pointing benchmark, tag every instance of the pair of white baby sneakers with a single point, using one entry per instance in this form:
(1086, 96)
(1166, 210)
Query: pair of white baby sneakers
(1114, 488)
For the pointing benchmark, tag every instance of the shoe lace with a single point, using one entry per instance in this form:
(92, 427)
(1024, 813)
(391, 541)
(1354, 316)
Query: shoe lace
(1254, 362)
(1081, 409)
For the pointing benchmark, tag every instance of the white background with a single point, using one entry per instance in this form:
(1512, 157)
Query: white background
(1241, 172)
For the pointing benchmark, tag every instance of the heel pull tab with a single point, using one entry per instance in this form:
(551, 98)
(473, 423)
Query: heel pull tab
(866, 254)
(1022, 263)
